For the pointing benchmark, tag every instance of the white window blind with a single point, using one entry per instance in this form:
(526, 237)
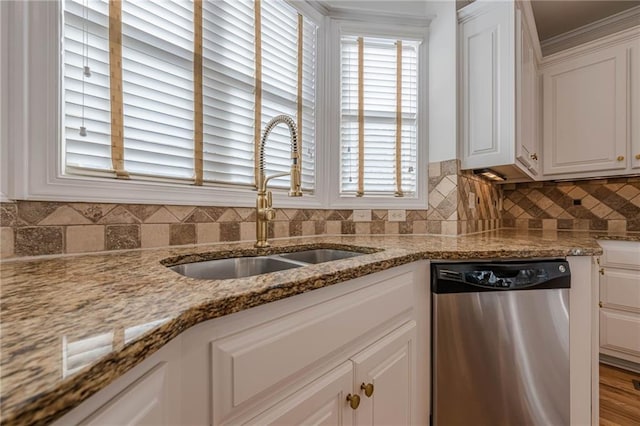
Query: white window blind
(86, 99)
(158, 88)
(228, 91)
(157, 84)
(279, 87)
(379, 87)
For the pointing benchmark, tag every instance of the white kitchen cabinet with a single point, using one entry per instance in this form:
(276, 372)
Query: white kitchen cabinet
(293, 361)
(149, 394)
(278, 362)
(527, 98)
(499, 90)
(634, 53)
(387, 368)
(620, 301)
(322, 402)
(146, 402)
(590, 107)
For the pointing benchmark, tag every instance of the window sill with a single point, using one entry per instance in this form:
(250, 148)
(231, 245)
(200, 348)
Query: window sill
(100, 190)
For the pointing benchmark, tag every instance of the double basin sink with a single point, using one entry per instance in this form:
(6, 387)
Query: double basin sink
(240, 267)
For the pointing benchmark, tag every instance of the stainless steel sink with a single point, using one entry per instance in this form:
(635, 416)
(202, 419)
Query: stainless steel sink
(237, 267)
(240, 267)
(319, 255)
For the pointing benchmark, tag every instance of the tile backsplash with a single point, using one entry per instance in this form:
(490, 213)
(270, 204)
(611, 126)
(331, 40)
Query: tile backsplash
(32, 228)
(611, 205)
(459, 203)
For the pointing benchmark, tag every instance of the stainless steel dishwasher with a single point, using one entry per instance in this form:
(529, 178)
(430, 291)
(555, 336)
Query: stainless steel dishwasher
(500, 342)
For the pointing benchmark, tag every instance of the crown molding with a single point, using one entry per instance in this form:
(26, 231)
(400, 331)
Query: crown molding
(601, 28)
(475, 9)
(377, 17)
(604, 42)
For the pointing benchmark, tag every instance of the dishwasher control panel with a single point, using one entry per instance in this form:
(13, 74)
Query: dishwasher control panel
(501, 275)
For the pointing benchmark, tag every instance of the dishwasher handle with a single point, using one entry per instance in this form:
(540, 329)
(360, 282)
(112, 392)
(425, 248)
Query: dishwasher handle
(499, 276)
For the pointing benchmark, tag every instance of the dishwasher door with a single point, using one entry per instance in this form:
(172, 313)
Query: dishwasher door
(501, 344)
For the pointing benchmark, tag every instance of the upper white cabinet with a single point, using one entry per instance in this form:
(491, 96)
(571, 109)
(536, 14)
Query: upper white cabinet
(634, 51)
(499, 88)
(592, 107)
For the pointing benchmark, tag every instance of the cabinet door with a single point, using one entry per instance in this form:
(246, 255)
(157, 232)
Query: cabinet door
(620, 334)
(620, 289)
(527, 147)
(322, 402)
(390, 366)
(488, 87)
(635, 105)
(585, 113)
(145, 402)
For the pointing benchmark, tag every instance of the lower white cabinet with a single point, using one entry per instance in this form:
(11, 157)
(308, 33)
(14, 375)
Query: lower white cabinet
(353, 353)
(386, 372)
(146, 402)
(376, 386)
(620, 300)
(321, 402)
(288, 361)
(149, 394)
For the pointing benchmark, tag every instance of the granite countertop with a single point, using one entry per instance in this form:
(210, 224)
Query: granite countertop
(128, 304)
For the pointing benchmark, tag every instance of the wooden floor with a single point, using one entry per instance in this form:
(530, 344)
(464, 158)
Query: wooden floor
(619, 400)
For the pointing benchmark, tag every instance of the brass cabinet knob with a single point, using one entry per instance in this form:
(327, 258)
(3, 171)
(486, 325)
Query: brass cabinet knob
(354, 401)
(620, 158)
(368, 389)
(600, 304)
(533, 156)
(637, 156)
(601, 271)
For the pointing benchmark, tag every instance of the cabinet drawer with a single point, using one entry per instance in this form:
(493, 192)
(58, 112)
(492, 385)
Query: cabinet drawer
(620, 331)
(620, 254)
(620, 288)
(251, 362)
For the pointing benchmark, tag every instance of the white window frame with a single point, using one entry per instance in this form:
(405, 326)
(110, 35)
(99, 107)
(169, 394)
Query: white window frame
(337, 28)
(34, 126)
(4, 102)
(31, 119)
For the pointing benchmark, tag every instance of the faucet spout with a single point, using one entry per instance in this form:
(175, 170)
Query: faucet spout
(264, 203)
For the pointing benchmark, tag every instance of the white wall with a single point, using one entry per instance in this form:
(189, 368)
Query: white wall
(442, 81)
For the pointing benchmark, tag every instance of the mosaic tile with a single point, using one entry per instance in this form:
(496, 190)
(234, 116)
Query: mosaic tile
(38, 240)
(182, 233)
(32, 212)
(120, 237)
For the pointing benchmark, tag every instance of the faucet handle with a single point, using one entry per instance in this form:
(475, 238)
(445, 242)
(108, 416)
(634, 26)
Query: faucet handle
(269, 214)
(269, 199)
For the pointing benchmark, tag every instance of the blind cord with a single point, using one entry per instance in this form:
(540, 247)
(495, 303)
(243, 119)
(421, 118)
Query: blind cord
(86, 71)
(85, 67)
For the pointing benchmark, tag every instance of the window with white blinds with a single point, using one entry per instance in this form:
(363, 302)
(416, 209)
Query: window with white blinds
(159, 97)
(378, 132)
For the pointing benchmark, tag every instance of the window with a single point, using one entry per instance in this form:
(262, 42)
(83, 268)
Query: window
(190, 110)
(379, 111)
(378, 126)
(186, 79)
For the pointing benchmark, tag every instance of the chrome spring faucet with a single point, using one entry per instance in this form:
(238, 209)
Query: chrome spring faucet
(264, 203)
